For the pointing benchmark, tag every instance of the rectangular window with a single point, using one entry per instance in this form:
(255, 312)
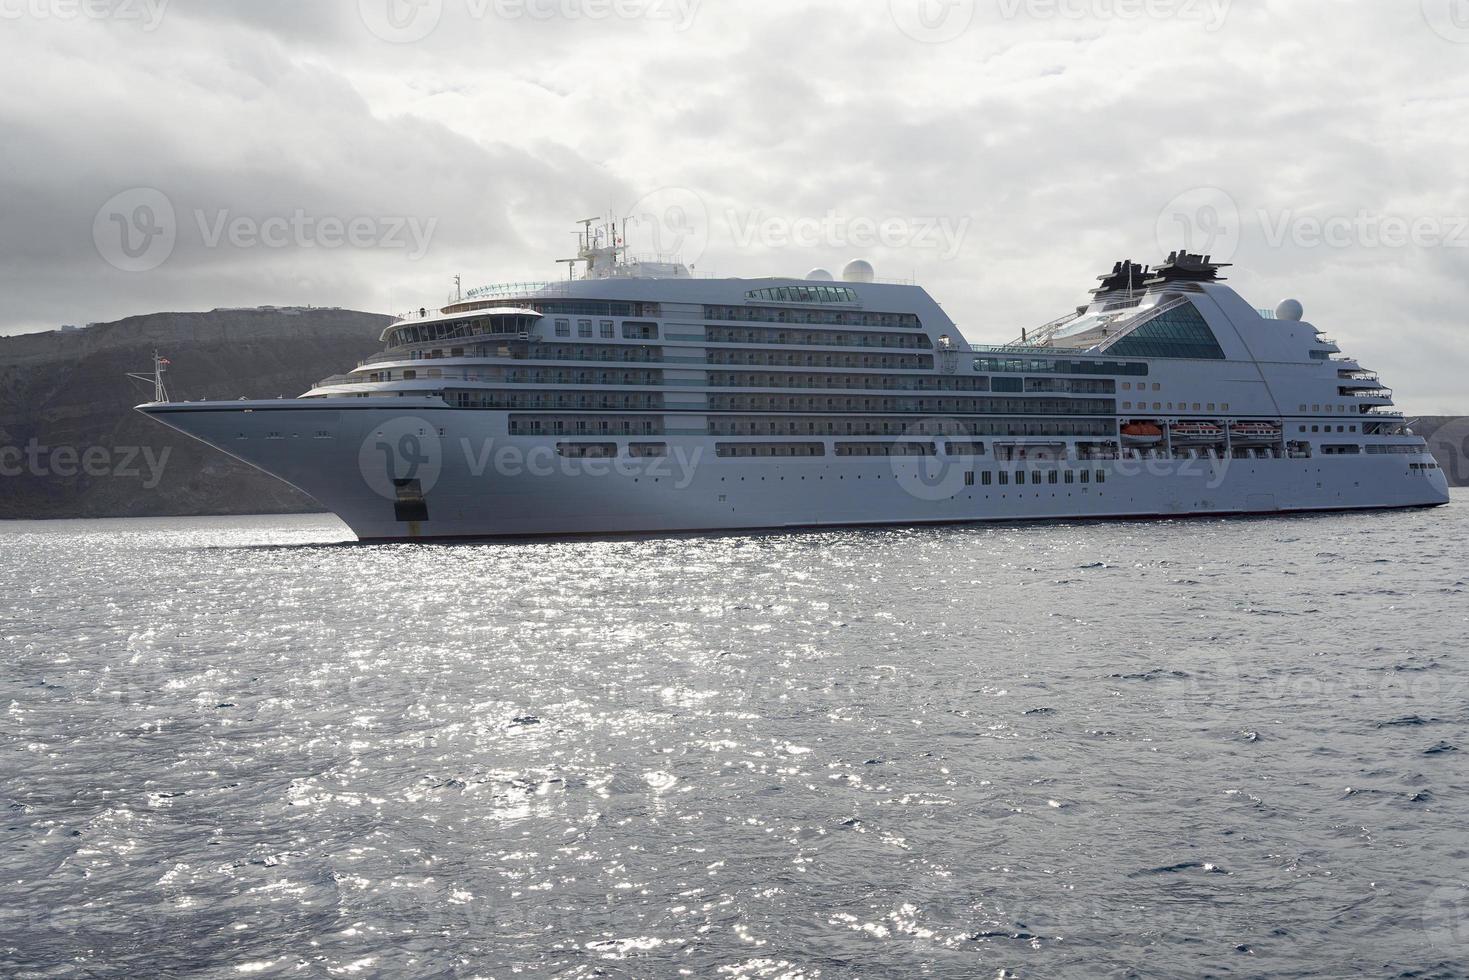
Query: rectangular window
(563, 328)
(607, 330)
(1086, 476)
(986, 478)
(1004, 479)
(1035, 477)
(1070, 476)
(1053, 477)
(1101, 476)
(969, 479)
(586, 450)
(584, 328)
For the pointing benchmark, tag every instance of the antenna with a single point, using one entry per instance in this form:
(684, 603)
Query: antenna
(458, 289)
(586, 224)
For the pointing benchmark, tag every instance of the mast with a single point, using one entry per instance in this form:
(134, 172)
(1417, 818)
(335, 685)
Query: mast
(160, 393)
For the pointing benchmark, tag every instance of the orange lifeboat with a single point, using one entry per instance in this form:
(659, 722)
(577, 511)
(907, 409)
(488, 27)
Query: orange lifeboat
(1141, 434)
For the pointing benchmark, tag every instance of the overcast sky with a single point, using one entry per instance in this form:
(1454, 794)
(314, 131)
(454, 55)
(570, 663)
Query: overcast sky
(360, 153)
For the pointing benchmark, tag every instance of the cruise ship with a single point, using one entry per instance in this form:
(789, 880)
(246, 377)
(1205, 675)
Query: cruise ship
(635, 397)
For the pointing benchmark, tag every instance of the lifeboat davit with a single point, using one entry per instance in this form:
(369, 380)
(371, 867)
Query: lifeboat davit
(1141, 434)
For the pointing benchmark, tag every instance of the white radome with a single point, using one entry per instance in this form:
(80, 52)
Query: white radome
(1290, 309)
(820, 275)
(859, 270)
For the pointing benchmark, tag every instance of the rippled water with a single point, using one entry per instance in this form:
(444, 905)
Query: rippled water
(242, 747)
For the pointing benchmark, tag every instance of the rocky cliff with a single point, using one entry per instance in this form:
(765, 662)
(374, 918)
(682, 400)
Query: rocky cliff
(72, 446)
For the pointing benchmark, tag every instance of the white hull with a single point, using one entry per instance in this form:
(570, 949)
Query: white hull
(480, 482)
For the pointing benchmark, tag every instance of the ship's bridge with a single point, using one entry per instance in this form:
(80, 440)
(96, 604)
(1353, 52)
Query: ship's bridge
(432, 326)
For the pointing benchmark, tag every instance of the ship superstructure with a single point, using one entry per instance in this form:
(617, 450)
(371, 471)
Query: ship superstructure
(636, 397)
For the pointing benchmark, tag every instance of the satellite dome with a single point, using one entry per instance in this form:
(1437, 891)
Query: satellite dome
(1289, 309)
(859, 270)
(820, 275)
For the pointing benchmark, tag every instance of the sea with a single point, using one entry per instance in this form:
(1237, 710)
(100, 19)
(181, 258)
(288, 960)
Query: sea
(251, 747)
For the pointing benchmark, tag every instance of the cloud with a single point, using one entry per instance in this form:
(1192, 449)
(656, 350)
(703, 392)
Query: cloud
(1054, 132)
